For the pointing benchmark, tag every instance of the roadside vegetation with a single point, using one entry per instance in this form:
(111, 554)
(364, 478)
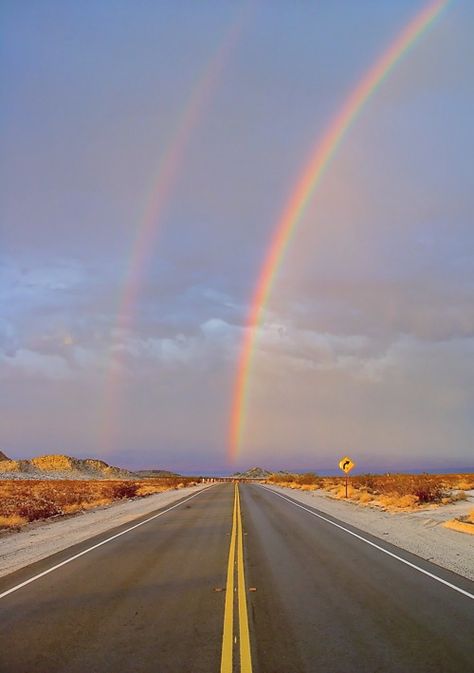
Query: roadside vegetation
(463, 524)
(23, 501)
(388, 491)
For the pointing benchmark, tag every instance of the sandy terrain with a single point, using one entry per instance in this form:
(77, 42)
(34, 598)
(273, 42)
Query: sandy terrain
(41, 539)
(419, 532)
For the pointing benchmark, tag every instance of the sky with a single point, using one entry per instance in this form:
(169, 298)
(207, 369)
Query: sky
(367, 341)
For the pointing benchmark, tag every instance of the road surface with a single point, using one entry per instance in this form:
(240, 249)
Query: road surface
(234, 580)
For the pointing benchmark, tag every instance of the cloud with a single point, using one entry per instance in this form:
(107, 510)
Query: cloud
(31, 276)
(33, 365)
(214, 341)
(413, 400)
(294, 349)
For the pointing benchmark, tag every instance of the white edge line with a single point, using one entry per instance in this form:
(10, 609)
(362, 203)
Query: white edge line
(372, 544)
(95, 546)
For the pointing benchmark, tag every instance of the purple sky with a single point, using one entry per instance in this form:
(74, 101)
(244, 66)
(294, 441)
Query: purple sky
(367, 343)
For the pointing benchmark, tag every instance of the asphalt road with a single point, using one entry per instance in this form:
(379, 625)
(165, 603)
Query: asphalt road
(327, 601)
(310, 596)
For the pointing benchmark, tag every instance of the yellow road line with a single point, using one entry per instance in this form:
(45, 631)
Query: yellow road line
(227, 637)
(236, 549)
(245, 653)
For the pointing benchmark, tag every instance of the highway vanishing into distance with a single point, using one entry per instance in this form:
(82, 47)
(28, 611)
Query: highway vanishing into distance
(236, 578)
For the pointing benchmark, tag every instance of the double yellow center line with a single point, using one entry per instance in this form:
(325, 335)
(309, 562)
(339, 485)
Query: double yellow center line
(236, 584)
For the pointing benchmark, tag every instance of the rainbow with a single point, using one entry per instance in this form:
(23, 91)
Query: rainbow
(301, 196)
(169, 168)
(164, 183)
(165, 179)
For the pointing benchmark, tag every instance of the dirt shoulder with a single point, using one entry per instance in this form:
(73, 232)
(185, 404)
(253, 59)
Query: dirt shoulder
(420, 532)
(44, 538)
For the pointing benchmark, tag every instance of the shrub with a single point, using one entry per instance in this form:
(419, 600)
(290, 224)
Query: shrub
(38, 508)
(428, 490)
(125, 490)
(308, 478)
(32, 499)
(366, 481)
(460, 495)
(280, 478)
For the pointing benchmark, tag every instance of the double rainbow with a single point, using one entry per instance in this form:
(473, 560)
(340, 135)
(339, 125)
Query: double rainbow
(301, 196)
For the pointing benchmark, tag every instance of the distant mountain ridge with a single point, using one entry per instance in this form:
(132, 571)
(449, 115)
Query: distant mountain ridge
(156, 473)
(60, 466)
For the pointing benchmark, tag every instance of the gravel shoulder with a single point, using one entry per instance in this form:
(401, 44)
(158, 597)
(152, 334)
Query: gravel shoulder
(44, 538)
(420, 533)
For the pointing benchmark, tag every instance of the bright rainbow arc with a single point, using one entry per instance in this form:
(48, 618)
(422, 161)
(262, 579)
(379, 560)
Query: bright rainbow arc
(301, 196)
(164, 184)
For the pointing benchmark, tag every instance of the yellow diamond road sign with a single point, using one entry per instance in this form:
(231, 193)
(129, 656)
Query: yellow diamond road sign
(346, 464)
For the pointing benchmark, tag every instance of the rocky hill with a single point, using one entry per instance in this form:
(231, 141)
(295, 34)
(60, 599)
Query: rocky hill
(253, 473)
(60, 466)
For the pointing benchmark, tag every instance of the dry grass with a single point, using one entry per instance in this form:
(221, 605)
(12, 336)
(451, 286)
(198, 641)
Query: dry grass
(465, 485)
(463, 524)
(74, 507)
(397, 492)
(150, 489)
(12, 521)
(307, 481)
(22, 501)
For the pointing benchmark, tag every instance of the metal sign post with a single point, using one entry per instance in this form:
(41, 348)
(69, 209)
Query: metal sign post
(346, 465)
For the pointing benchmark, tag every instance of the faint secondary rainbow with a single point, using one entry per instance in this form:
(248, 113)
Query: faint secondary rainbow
(170, 166)
(163, 187)
(301, 195)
